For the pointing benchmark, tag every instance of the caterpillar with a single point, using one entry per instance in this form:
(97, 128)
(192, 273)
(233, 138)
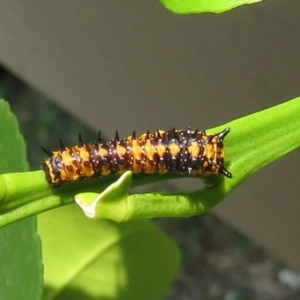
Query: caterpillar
(177, 151)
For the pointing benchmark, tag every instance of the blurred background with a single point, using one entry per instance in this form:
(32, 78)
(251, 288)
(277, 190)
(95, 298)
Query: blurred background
(69, 68)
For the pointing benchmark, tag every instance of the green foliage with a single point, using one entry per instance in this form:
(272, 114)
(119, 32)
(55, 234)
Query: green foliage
(103, 259)
(79, 251)
(203, 6)
(20, 256)
(254, 141)
(82, 259)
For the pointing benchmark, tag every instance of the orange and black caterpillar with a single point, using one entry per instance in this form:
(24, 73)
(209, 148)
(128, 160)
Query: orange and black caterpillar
(177, 151)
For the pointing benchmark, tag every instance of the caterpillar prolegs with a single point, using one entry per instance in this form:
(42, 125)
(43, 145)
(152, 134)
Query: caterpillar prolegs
(177, 151)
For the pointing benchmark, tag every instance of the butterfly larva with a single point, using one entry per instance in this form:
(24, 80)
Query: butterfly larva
(177, 151)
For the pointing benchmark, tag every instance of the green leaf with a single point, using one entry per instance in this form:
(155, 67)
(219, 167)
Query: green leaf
(20, 257)
(94, 204)
(254, 141)
(103, 259)
(204, 6)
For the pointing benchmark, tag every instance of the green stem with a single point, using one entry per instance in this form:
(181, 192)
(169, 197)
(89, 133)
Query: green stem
(254, 141)
(18, 189)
